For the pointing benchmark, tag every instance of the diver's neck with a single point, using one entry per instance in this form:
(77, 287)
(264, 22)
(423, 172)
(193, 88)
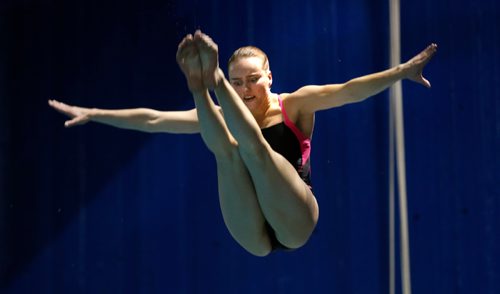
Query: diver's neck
(266, 111)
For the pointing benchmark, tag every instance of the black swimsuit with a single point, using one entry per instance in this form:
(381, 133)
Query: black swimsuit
(286, 139)
(283, 140)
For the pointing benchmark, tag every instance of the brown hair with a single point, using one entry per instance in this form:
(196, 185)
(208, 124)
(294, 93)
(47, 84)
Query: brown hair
(249, 51)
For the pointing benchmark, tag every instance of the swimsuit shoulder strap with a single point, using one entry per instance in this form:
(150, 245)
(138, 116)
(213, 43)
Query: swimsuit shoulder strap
(290, 123)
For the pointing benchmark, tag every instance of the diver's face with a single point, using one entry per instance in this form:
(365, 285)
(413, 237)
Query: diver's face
(251, 81)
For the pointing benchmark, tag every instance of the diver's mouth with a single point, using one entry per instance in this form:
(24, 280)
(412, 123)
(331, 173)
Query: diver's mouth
(248, 98)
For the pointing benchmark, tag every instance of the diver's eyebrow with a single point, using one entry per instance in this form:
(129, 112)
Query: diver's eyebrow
(252, 75)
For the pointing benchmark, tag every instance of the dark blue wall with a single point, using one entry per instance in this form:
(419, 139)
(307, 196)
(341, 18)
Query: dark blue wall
(99, 210)
(454, 147)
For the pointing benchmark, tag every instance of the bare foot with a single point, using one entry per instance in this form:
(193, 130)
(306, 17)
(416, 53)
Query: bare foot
(416, 65)
(209, 57)
(188, 59)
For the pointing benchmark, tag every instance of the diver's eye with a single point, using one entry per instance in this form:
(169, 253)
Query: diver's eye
(237, 83)
(254, 79)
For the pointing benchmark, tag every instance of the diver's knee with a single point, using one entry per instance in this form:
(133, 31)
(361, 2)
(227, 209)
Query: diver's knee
(260, 250)
(258, 246)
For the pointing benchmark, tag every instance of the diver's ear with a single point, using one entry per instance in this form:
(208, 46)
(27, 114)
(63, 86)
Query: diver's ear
(270, 77)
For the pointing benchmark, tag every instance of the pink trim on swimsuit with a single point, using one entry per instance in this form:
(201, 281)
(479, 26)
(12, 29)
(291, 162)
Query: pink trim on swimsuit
(305, 142)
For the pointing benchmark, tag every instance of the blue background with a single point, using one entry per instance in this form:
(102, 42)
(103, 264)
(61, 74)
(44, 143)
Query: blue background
(100, 210)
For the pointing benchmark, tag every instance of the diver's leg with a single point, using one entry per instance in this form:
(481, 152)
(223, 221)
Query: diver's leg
(238, 201)
(286, 202)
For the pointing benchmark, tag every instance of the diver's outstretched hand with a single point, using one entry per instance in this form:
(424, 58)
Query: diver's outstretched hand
(78, 115)
(415, 66)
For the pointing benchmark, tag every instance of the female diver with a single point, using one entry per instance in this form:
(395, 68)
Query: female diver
(260, 139)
